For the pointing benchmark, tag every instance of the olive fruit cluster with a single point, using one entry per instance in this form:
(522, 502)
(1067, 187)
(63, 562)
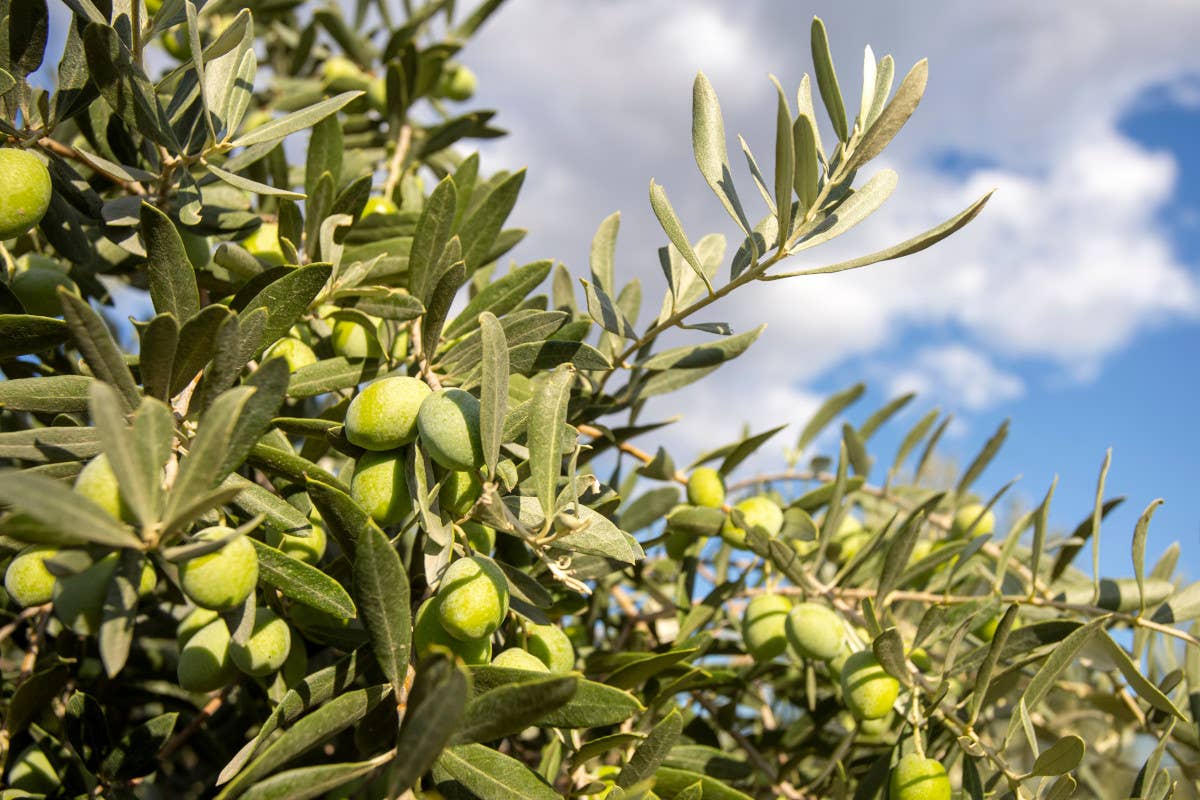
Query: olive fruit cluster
(396, 411)
(706, 489)
(209, 658)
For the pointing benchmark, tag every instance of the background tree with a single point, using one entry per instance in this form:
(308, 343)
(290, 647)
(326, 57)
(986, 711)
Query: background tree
(365, 514)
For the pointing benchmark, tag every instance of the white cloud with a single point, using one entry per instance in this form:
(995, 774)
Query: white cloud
(1066, 266)
(966, 378)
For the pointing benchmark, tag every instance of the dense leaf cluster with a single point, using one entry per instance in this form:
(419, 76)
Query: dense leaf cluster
(359, 512)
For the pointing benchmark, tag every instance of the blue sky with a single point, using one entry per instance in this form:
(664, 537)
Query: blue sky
(1071, 306)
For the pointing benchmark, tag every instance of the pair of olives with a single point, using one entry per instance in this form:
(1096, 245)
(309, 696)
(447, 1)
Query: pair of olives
(470, 605)
(209, 658)
(393, 412)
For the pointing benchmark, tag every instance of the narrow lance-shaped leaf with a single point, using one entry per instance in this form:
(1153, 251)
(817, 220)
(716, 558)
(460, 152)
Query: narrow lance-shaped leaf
(785, 162)
(199, 471)
(99, 349)
(674, 230)
(302, 582)
(827, 80)
(1139, 551)
(806, 170)
(981, 461)
(708, 142)
(120, 608)
(1041, 522)
(297, 120)
(603, 253)
(172, 279)
(68, 513)
(605, 312)
(430, 237)
(435, 707)
(893, 116)
(545, 438)
(381, 587)
(493, 391)
(914, 245)
(651, 753)
(1097, 516)
(490, 775)
(119, 449)
(833, 405)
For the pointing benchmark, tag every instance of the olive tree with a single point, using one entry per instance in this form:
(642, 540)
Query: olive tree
(359, 510)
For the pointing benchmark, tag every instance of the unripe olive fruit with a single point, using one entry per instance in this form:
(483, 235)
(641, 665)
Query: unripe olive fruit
(763, 626)
(295, 352)
(221, 579)
(341, 74)
(460, 490)
(98, 483)
(263, 244)
(350, 339)
(759, 511)
(449, 425)
(918, 778)
(309, 549)
(965, 516)
(380, 487)
(205, 664)
(377, 94)
(79, 598)
(378, 204)
(190, 625)
(32, 772)
(920, 659)
(27, 580)
(551, 645)
(26, 193)
(482, 538)
(516, 658)
(153, 6)
(267, 647)
(383, 416)
(176, 43)
(815, 631)
(868, 690)
(986, 629)
(37, 289)
(428, 634)
(457, 83)
(472, 598)
(295, 668)
(705, 488)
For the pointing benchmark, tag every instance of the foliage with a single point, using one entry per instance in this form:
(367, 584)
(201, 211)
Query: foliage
(485, 588)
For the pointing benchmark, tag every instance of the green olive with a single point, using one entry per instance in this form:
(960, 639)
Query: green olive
(263, 244)
(918, 778)
(457, 83)
(551, 645)
(428, 635)
(267, 647)
(27, 580)
(205, 664)
(37, 289)
(295, 352)
(973, 514)
(224, 578)
(460, 490)
(868, 690)
(98, 483)
(350, 339)
(377, 204)
(343, 75)
(448, 422)
(481, 537)
(383, 416)
(379, 485)
(815, 631)
(26, 195)
(705, 488)
(472, 598)
(763, 625)
(309, 549)
(196, 619)
(516, 658)
(760, 511)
